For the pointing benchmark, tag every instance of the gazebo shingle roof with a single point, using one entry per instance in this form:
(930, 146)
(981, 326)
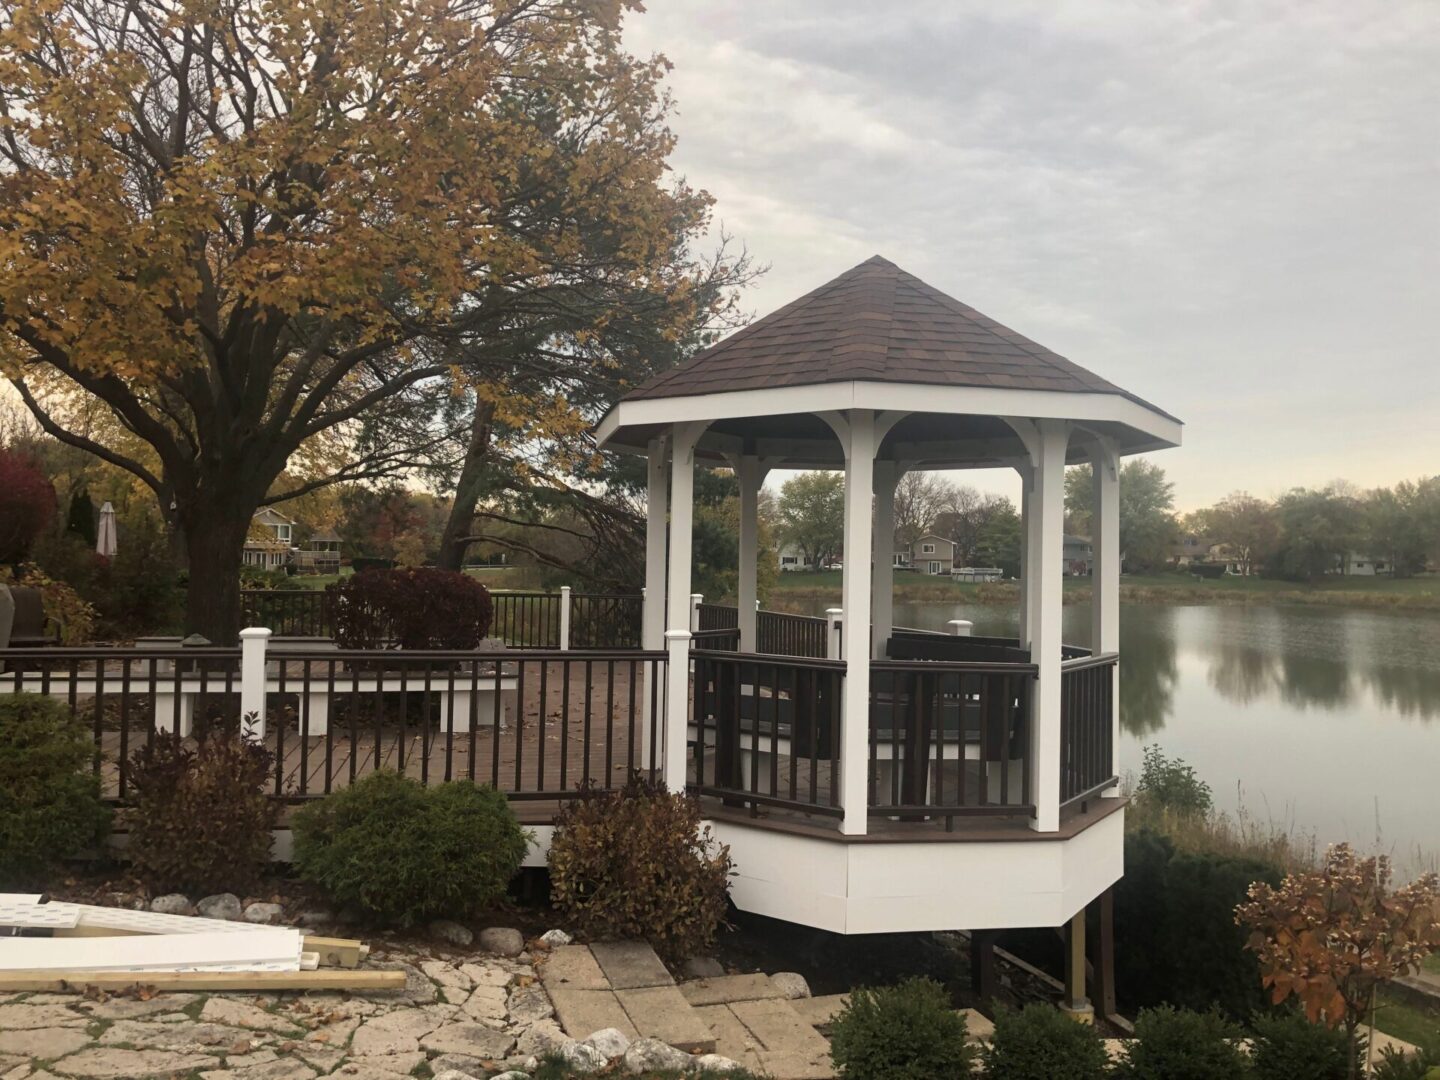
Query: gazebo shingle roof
(876, 322)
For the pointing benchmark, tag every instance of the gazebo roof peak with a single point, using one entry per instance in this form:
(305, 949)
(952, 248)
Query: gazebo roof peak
(876, 323)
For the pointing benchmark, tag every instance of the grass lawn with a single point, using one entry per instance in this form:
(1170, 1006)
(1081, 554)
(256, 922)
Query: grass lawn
(1432, 963)
(1404, 1021)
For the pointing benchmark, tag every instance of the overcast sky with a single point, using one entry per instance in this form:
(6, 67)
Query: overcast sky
(1230, 209)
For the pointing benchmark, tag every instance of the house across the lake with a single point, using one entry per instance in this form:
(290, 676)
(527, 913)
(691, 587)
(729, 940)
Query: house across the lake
(1079, 556)
(268, 545)
(931, 554)
(1361, 564)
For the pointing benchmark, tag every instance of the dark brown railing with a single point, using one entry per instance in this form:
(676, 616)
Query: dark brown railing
(724, 640)
(605, 620)
(783, 634)
(526, 620)
(1087, 734)
(530, 723)
(535, 725)
(716, 617)
(126, 696)
(289, 612)
(766, 732)
(949, 740)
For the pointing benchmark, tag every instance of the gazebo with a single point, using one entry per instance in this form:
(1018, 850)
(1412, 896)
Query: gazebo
(833, 779)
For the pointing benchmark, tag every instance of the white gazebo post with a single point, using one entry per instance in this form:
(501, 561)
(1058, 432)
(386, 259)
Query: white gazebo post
(657, 510)
(1048, 441)
(751, 474)
(1027, 524)
(859, 441)
(678, 603)
(1105, 571)
(887, 474)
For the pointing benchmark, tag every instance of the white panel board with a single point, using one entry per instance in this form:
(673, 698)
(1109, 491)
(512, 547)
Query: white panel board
(272, 949)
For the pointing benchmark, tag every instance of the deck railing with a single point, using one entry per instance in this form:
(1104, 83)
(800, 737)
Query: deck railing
(766, 731)
(289, 612)
(1087, 733)
(949, 740)
(783, 634)
(534, 724)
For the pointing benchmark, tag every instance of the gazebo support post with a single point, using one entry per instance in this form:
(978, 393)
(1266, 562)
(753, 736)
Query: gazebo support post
(751, 474)
(1105, 570)
(657, 511)
(857, 435)
(883, 578)
(1027, 520)
(677, 607)
(1048, 441)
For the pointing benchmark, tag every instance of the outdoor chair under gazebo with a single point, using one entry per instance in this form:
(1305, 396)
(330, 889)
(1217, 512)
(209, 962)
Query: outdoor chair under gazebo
(832, 780)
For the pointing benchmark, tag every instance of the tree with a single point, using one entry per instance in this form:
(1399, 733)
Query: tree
(1147, 503)
(965, 517)
(27, 505)
(999, 541)
(1247, 526)
(919, 499)
(811, 514)
(305, 231)
(1318, 528)
(81, 518)
(1402, 524)
(1330, 937)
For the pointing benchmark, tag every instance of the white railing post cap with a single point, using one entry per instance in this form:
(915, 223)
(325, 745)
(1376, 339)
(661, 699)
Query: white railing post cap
(253, 633)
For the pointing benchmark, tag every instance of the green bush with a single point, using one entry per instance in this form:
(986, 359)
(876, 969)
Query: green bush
(1391, 1064)
(904, 1032)
(1290, 1046)
(1172, 784)
(1176, 941)
(1178, 1044)
(402, 853)
(1042, 1043)
(636, 863)
(50, 806)
(202, 818)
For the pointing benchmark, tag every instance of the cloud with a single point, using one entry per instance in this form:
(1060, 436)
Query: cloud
(1226, 207)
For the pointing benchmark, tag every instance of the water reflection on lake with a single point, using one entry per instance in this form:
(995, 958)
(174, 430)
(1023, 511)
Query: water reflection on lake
(1325, 718)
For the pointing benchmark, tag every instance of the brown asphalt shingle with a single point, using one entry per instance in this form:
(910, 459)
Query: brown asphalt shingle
(875, 322)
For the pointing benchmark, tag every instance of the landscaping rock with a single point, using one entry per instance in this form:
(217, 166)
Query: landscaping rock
(703, 967)
(791, 983)
(315, 918)
(474, 1039)
(264, 913)
(224, 905)
(652, 1055)
(513, 1074)
(540, 1038)
(48, 1043)
(452, 933)
(393, 1033)
(502, 940)
(528, 1004)
(172, 904)
(456, 1074)
(279, 1069)
(112, 1063)
(612, 1042)
(223, 1010)
(717, 1063)
(460, 1063)
(582, 1057)
(556, 937)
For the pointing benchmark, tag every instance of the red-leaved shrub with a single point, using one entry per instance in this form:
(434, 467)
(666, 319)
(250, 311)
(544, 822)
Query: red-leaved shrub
(419, 608)
(27, 505)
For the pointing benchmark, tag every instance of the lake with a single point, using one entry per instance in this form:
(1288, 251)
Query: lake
(1323, 719)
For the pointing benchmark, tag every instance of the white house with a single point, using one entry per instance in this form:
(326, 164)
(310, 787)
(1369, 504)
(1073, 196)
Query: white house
(271, 536)
(1078, 557)
(792, 558)
(891, 800)
(1360, 564)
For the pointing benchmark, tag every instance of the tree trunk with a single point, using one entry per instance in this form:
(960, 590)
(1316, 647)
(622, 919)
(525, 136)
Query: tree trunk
(459, 526)
(214, 539)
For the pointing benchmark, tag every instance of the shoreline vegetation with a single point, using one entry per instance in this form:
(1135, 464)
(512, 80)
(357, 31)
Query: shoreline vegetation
(792, 590)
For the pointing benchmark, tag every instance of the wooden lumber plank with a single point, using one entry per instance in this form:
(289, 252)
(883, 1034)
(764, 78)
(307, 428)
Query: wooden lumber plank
(276, 948)
(217, 981)
(335, 952)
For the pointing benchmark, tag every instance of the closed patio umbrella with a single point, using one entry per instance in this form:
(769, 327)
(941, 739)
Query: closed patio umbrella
(105, 537)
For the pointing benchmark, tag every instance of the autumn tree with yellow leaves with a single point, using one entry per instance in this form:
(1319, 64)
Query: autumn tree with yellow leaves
(317, 238)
